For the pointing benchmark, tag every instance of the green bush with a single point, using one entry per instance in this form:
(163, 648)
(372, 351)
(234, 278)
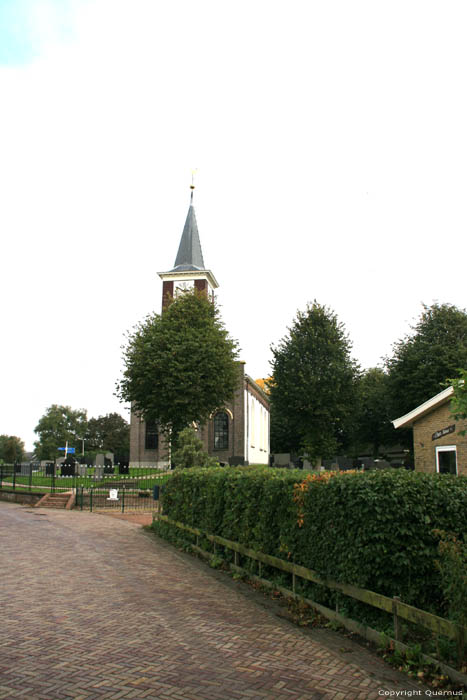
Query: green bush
(189, 451)
(452, 565)
(372, 529)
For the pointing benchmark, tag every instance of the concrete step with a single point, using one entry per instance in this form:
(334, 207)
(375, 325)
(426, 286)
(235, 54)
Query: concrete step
(54, 500)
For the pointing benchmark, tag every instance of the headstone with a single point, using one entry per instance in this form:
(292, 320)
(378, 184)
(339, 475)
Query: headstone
(113, 495)
(282, 459)
(100, 459)
(98, 471)
(236, 461)
(68, 470)
(82, 470)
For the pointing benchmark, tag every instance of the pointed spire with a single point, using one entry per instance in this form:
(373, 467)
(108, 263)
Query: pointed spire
(190, 256)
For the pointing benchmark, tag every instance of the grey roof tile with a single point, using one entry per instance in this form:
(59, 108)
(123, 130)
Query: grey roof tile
(189, 256)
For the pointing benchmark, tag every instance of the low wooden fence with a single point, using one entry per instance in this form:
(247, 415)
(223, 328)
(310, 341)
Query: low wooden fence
(437, 625)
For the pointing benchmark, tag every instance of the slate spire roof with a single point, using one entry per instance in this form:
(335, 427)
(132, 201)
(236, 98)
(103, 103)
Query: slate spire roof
(189, 256)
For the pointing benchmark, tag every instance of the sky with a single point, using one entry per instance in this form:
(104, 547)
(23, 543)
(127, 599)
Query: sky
(329, 141)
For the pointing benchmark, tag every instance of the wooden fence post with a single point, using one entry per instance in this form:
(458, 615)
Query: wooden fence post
(397, 627)
(460, 645)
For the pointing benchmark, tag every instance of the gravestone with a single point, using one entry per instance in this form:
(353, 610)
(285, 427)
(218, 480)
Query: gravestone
(68, 470)
(236, 461)
(282, 459)
(108, 467)
(99, 471)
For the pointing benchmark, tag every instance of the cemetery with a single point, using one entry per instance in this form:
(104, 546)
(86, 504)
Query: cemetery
(96, 487)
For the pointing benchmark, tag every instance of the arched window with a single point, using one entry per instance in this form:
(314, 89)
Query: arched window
(221, 431)
(151, 441)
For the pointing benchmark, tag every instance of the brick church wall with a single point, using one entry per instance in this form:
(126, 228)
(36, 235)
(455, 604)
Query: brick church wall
(139, 456)
(167, 292)
(236, 416)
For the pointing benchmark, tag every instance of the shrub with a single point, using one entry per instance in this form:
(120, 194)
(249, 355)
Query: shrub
(452, 564)
(372, 529)
(189, 451)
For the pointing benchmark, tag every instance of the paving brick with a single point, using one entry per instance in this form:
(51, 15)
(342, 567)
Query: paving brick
(95, 609)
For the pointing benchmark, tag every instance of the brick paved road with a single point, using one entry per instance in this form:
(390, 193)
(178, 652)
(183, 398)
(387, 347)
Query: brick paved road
(92, 607)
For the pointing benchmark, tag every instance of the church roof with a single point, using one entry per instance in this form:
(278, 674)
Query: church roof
(189, 256)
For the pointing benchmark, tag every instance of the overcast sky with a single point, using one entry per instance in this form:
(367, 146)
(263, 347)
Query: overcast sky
(330, 145)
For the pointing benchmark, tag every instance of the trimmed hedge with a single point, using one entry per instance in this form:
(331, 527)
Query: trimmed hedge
(371, 529)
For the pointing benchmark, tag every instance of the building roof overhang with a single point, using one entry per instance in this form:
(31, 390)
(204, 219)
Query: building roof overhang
(189, 274)
(424, 408)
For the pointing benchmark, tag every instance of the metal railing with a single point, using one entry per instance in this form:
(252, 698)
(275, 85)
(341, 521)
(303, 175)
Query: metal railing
(51, 478)
(119, 496)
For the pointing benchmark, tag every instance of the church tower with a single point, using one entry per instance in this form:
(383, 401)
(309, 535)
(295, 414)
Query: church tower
(188, 272)
(237, 433)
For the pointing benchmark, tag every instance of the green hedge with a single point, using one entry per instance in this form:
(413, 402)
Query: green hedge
(371, 529)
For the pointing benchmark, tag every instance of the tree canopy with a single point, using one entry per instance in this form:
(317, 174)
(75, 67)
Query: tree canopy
(459, 400)
(179, 366)
(424, 360)
(109, 433)
(312, 389)
(58, 425)
(11, 449)
(372, 424)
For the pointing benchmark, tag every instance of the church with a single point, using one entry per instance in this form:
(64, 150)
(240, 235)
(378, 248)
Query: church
(237, 433)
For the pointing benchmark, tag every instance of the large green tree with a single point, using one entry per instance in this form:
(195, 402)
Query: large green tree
(313, 386)
(459, 400)
(372, 425)
(424, 360)
(11, 449)
(179, 366)
(58, 425)
(109, 433)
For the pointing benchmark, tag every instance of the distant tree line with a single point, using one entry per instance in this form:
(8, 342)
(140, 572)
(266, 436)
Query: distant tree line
(61, 424)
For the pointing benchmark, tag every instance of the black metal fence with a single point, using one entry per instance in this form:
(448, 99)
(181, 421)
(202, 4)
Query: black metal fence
(24, 478)
(121, 498)
(91, 484)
